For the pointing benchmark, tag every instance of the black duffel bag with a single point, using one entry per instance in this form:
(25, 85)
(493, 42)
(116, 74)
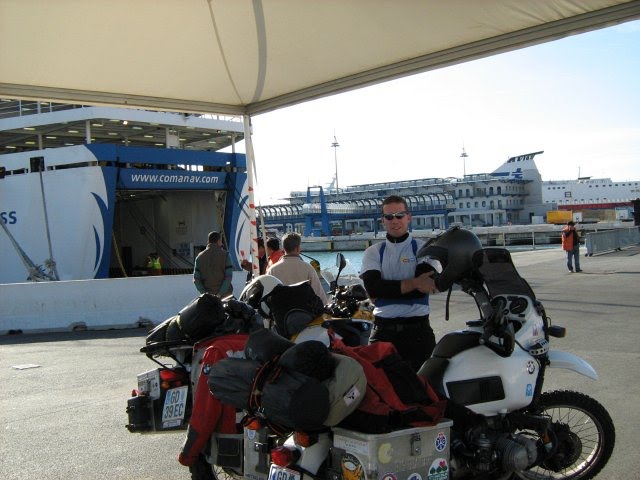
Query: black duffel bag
(265, 345)
(198, 320)
(295, 401)
(311, 358)
(166, 331)
(291, 400)
(231, 380)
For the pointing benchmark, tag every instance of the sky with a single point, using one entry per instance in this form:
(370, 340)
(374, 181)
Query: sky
(577, 99)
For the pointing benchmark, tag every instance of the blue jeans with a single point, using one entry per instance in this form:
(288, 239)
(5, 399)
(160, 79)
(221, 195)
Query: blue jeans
(575, 255)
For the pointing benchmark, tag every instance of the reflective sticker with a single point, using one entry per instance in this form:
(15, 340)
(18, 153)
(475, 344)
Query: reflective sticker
(531, 367)
(529, 392)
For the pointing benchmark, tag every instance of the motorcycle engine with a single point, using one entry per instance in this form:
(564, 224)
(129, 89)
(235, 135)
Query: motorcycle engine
(493, 452)
(517, 451)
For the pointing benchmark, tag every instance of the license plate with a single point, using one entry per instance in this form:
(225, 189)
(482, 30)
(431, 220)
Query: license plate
(175, 404)
(281, 473)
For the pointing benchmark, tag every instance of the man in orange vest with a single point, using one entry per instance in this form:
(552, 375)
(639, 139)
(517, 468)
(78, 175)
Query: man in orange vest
(571, 245)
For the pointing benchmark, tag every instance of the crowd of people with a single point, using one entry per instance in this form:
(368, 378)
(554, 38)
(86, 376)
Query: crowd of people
(396, 282)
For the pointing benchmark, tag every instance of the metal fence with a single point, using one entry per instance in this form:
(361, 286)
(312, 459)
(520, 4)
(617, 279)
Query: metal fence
(610, 240)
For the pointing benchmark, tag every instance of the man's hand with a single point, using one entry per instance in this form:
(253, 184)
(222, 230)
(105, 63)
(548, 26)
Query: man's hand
(423, 283)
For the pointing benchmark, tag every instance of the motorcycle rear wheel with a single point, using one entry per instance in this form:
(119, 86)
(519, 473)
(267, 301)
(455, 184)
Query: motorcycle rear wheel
(203, 470)
(585, 437)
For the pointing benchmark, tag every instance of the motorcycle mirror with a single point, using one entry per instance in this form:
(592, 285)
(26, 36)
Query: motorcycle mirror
(341, 262)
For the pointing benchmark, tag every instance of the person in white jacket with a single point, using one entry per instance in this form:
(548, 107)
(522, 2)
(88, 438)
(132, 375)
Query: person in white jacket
(399, 286)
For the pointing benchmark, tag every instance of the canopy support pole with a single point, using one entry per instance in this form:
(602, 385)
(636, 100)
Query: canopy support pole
(253, 225)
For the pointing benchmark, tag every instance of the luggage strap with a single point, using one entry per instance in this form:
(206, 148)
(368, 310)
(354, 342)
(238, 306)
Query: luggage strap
(268, 372)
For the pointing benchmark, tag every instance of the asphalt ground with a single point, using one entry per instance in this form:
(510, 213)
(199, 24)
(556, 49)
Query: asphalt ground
(64, 418)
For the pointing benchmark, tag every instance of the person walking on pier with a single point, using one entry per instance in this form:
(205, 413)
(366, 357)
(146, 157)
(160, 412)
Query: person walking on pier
(571, 245)
(399, 286)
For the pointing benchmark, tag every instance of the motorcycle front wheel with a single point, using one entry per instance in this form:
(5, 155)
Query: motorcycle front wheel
(583, 435)
(203, 470)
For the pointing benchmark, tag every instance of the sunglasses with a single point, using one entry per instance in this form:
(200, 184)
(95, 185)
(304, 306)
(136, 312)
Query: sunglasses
(391, 216)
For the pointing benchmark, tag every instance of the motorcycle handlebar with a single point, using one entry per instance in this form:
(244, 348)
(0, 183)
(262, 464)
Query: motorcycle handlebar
(496, 326)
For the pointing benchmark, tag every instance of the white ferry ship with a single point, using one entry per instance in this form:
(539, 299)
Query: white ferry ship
(583, 193)
(590, 193)
(513, 194)
(90, 192)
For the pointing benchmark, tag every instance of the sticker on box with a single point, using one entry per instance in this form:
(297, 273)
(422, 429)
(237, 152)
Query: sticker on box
(385, 453)
(439, 470)
(351, 444)
(441, 441)
(351, 467)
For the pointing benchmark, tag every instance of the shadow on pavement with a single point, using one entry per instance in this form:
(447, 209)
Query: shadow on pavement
(45, 337)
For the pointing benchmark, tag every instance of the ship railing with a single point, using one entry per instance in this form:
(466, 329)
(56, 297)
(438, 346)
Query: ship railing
(19, 108)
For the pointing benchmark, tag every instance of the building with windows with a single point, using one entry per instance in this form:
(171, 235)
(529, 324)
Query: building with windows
(512, 194)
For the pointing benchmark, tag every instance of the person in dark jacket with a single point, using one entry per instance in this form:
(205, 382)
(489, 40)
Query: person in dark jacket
(262, 261)
(213, 270)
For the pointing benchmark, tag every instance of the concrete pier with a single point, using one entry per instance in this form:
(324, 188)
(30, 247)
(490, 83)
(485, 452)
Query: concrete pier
(507, 235)
(63, 412)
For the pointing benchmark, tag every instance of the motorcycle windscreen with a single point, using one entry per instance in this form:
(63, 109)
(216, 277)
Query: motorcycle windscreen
(500, 274)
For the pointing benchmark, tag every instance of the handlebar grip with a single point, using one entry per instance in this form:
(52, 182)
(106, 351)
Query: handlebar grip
(501, 304)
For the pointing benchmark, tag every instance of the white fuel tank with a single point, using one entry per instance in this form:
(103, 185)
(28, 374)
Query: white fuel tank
(489, 384)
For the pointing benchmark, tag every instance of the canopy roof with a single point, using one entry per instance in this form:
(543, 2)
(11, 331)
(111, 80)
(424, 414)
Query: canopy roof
(248, 57)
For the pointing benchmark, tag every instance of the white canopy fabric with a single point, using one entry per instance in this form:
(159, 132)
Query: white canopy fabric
(249, 57)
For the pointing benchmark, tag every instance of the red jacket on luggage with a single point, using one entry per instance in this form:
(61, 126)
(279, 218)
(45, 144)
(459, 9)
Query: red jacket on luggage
(209, 414)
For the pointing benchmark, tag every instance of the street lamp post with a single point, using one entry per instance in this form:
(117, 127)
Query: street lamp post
(335, 146)
(464, 156)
